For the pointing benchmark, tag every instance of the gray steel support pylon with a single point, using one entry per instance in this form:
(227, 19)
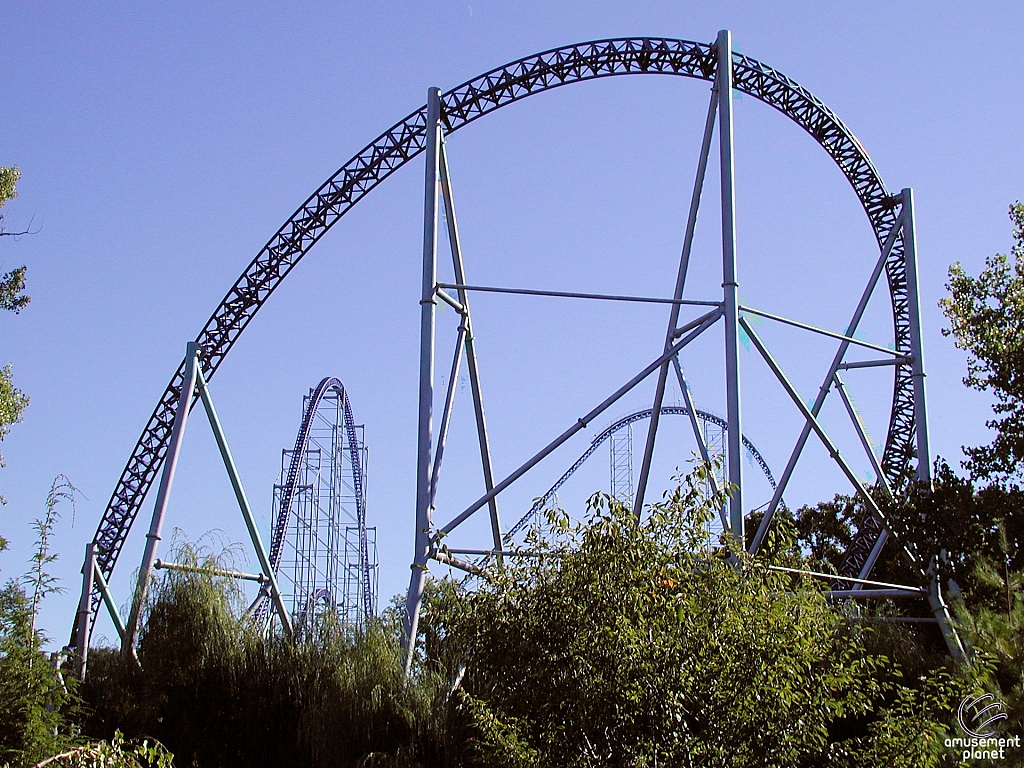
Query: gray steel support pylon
(730, 288)
(85, 608)
(188, 386)
(428, 308)
(924, 469)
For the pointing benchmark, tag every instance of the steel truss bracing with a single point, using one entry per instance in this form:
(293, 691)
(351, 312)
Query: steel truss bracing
(93, 577)
(620, 454)
(320, 542)
(890, 216)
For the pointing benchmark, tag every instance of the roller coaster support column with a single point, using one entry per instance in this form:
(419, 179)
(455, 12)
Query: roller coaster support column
(730, 305)
(188, 386)
(684, 261)
(85, 608)
(924, 466)
(428, 305)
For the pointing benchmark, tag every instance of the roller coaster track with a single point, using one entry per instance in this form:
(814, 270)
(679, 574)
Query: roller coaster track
(462, 105)
(666, 410)
(291, 484)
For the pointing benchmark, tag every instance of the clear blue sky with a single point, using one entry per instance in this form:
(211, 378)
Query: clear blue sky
(162, 144)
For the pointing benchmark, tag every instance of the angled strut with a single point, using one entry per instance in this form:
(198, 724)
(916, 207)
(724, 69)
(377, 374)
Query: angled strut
(673, 318)
(470, 342)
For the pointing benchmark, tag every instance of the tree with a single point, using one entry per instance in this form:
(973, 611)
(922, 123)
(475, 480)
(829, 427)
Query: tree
(629, 643)
(12, 298)
(986, 315)
(995, 629)
(12, 283)
(34, 698)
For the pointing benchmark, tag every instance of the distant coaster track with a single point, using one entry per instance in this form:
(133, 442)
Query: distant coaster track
(604, 435)
(461, 106)
(291, 484)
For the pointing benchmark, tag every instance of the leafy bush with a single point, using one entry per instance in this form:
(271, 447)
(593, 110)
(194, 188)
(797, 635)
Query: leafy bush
(115, 754)
(616, 642)
(629, 643)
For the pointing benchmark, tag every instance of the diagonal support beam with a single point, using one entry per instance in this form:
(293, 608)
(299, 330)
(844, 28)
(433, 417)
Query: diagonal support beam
(858, 425)
(575, 295)
(698, 435)
(826, 385)
(108, 600)
(673, 321)
(470, 342)
(446, 414)
(708, 321)
(898, 357)
(823, 436)
(243, 502)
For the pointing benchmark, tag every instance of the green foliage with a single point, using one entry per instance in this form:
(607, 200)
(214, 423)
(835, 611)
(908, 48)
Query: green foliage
(963, 530)
(12, 287)
(218, 693)
(962, 526)
(12, 404)
(995, 629)
(825, 530)
(986, 316)
(12, 283)
(628, 643)
(618, 643)
(32, 696)
(116, 753)
(35, 701)
(8, 183)
(39, 579)
(950, 520)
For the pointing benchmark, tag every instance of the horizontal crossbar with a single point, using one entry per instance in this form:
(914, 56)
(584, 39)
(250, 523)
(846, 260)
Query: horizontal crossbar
(874, 363)
(257, 577)
(874, 594)
(500, 553)
(573, 295)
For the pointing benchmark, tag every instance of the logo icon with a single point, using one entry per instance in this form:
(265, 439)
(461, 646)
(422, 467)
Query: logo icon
(977, 714)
